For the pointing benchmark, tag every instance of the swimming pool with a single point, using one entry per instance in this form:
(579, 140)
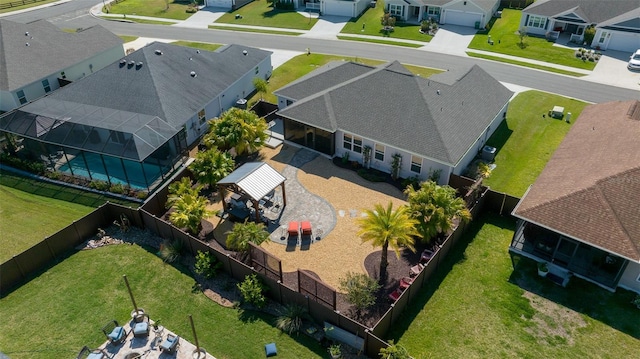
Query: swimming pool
(117, 173)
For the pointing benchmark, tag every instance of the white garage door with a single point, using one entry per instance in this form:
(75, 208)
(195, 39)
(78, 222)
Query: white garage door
(624, 42)
(219, 3)
(338, 8)
(461, 18)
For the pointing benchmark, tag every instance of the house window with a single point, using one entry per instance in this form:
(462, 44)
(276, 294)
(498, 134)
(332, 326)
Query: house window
(352, 143)
(257, 70)
(416, 164)
(435, 11)
(201, 116)
(21, 97)
(379, 152)
(45, 84)
(396, 10)
(536, 21)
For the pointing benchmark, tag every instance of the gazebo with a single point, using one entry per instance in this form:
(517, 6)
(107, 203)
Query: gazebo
(253, 180)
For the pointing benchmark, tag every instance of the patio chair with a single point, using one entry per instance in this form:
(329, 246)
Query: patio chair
(305, 227)
(405, 283)
(141, 326)
(426, 255)
(86, 353)
(395, 294)
(170, 344)
(115, 333)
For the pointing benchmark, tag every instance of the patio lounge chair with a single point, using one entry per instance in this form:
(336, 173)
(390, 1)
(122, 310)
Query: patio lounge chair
(115, 333)
(426, 255)
(305, 227)
(293, 229)
(170, 344)
(395, 294)
(86, 353)
(141, 326)
(405, 283)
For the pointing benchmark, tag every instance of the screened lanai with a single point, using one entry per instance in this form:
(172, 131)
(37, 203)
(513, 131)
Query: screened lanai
(96, 143)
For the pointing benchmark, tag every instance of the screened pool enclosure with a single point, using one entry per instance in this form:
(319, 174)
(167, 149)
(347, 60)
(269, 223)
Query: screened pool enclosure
(96, 143)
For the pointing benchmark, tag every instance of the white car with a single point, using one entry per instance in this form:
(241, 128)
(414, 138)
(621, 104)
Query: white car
(634, 61)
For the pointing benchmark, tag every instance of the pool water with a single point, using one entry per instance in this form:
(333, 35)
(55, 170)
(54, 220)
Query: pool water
(114, 168)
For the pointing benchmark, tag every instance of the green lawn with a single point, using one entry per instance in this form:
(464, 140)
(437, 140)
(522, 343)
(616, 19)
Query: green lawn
(198, 45)
(370, 23)
(526, 64)
(261, 13)
(506, 41)
(477, 308)
(384, 42)
(526, 141)
(16, 8)
(262, 31)
(303, 64)
(153, 8)
(127, 38)
(58, 312)
(31, 210)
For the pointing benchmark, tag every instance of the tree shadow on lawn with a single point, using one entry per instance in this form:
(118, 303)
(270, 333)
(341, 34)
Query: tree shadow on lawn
(455, 256)
(612, 309)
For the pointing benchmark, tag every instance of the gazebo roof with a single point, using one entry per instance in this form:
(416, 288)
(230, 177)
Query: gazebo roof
(256, 179)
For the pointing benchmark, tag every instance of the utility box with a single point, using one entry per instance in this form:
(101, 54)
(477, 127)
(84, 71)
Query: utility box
(488, 153)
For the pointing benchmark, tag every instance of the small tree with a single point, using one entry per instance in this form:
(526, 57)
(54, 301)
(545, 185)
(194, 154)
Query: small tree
(252, 290)
(211, 166)
(188, 212)
(261, 86)
(388, 20)
(360, 290)
(522, 34)
(394, 351)
(179, 188)
(589, 34)
(239, 129)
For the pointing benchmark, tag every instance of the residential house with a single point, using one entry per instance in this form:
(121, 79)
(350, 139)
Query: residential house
(433, 125)
(131, 122)
(472, 13)
(582, 214)
(617, 22)
(38, 58)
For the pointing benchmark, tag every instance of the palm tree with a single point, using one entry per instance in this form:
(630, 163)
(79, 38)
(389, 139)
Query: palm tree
(211, 166)
(188, 212)
(239, 129)
(239, 237)
(385, 228)
(179, 188)
(435, 208)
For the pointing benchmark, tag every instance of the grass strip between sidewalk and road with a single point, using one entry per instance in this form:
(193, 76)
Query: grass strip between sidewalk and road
(525, 64)
(247, 29)
(376, 41)
(262, 13)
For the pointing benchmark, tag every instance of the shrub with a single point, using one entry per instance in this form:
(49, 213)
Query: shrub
(206, 264)
(252, 290)
(170, 251)
(394, 351)
(292, 318)
(370, 175)
(22, 164)
(118, 188)
(360, 289)
(589, 34)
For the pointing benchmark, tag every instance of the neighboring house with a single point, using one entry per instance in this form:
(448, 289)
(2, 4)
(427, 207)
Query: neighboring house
(131, 122)
(434, 125)
(473, 13)
(617, 22)
(348, 8)
(582, 214)
(38, 57)
(226, 4)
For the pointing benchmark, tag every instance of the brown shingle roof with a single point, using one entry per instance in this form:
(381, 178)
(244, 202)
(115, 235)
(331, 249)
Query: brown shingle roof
(590, 189)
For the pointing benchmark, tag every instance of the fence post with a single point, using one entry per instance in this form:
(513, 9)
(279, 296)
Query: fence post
(19, 268)
(46, 241)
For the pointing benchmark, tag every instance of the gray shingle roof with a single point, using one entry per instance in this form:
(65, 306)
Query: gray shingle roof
(405, 111)
(590, 10)
(50, 50)
(590, 188)
(162, 86)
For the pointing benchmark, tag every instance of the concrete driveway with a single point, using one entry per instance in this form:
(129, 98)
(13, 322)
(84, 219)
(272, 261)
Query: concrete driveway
(451, 39)
(612, 70)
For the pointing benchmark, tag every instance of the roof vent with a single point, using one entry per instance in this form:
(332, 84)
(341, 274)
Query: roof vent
(197, 51)
(634, 111)
(191, 59)
(123, 62)
(438, 92)
(158, 52)
(26, 33)
(131, 63)
(244, 52)
(139, 65)
(193, 74)
(28, 44)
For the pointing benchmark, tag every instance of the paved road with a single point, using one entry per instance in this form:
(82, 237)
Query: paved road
(75, 14)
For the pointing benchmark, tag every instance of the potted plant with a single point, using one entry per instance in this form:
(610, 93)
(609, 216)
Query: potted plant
(543, 269)
(156, 324)
(335, 351)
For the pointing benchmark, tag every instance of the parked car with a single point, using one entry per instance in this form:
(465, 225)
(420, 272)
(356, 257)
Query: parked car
(634, 61)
